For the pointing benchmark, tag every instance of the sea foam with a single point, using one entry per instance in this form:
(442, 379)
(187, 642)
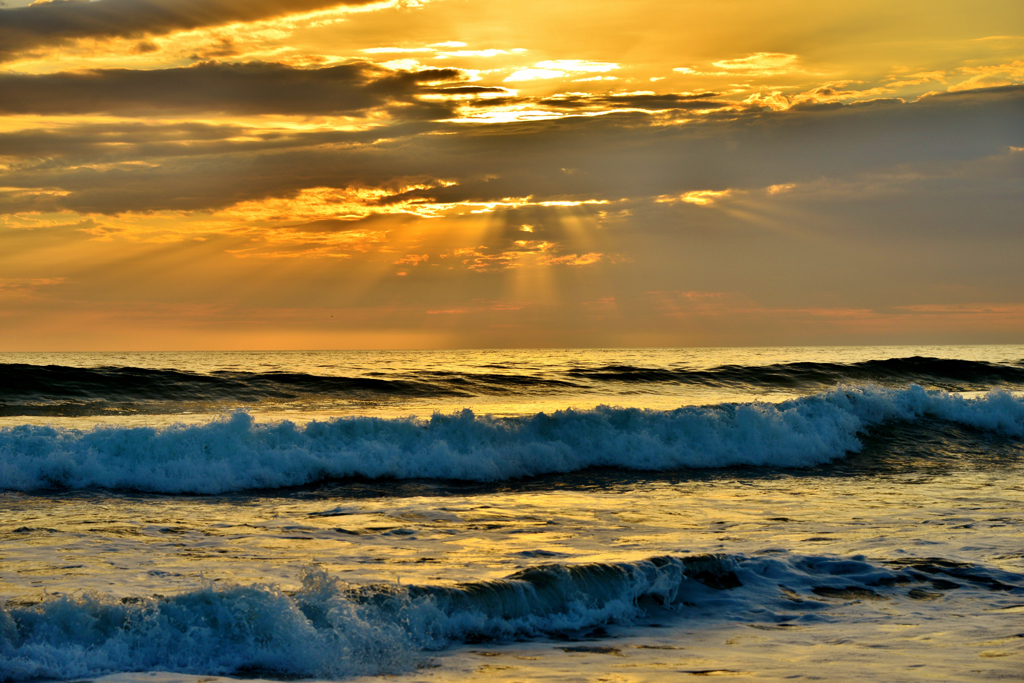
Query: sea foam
(236, 453)
(330, 629)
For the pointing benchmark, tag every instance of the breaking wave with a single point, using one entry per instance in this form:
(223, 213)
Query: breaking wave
(332, 629)
(236, 453)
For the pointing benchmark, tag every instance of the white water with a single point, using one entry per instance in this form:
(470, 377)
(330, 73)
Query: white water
(236, 453)
(328, 629)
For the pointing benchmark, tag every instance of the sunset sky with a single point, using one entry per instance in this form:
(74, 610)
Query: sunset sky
(271, 174)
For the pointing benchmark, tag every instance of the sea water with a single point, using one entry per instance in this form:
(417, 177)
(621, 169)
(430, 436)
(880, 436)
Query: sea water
(593, 515)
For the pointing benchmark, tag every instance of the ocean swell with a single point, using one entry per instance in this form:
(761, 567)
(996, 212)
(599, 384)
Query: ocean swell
(111, 390)
(948, 373)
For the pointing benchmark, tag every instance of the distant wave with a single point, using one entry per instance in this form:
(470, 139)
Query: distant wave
(329, 629)
(916, 369)
(236, 453)
(72, 391)
(47, 389)
(60, 390)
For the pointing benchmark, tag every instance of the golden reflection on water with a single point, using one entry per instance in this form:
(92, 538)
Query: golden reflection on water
(140, 545)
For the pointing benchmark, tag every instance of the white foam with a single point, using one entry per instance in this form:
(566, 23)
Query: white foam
(236, 453)
(329, 629)
(326, 629)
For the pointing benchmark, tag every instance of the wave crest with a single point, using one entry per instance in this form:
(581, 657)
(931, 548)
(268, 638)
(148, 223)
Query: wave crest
(235, 453)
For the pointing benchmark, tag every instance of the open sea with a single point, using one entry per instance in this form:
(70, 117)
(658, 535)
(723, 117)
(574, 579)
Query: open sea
(618, 515)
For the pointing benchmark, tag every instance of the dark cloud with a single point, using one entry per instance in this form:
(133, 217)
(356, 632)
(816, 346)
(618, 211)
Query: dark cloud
(334, 225)
(21, 202)
(224, 47)
(468, 90)
(39, 152)
(239, 89)
(652, 102)
(23, 29)
(144, 47)
(111, 143)
(605, 157)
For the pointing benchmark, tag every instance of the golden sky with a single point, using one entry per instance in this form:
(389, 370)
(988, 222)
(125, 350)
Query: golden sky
(254, 174)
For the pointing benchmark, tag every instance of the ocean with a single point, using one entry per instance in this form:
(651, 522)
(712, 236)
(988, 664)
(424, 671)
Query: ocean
(567, 515)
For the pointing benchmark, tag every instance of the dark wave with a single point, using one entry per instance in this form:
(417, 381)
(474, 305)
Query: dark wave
(61, 390)
(57, 381)
(935, 372)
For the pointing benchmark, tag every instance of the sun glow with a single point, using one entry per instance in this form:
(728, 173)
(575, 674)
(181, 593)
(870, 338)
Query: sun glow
(441, 154)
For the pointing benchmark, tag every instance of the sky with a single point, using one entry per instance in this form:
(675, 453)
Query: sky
(315, 174)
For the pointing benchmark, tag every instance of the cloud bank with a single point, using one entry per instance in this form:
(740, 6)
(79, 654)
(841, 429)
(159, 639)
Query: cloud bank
(50, 24)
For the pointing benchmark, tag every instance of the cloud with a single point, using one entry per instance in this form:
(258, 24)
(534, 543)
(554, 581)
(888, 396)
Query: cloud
(56, 23)
(650, 101)
(210, 87)
(698, 197)
(574, 259)
(625, 155)
(329, 203)
(991, 76)
(520, 254)
(558, 68)
(760, 63)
